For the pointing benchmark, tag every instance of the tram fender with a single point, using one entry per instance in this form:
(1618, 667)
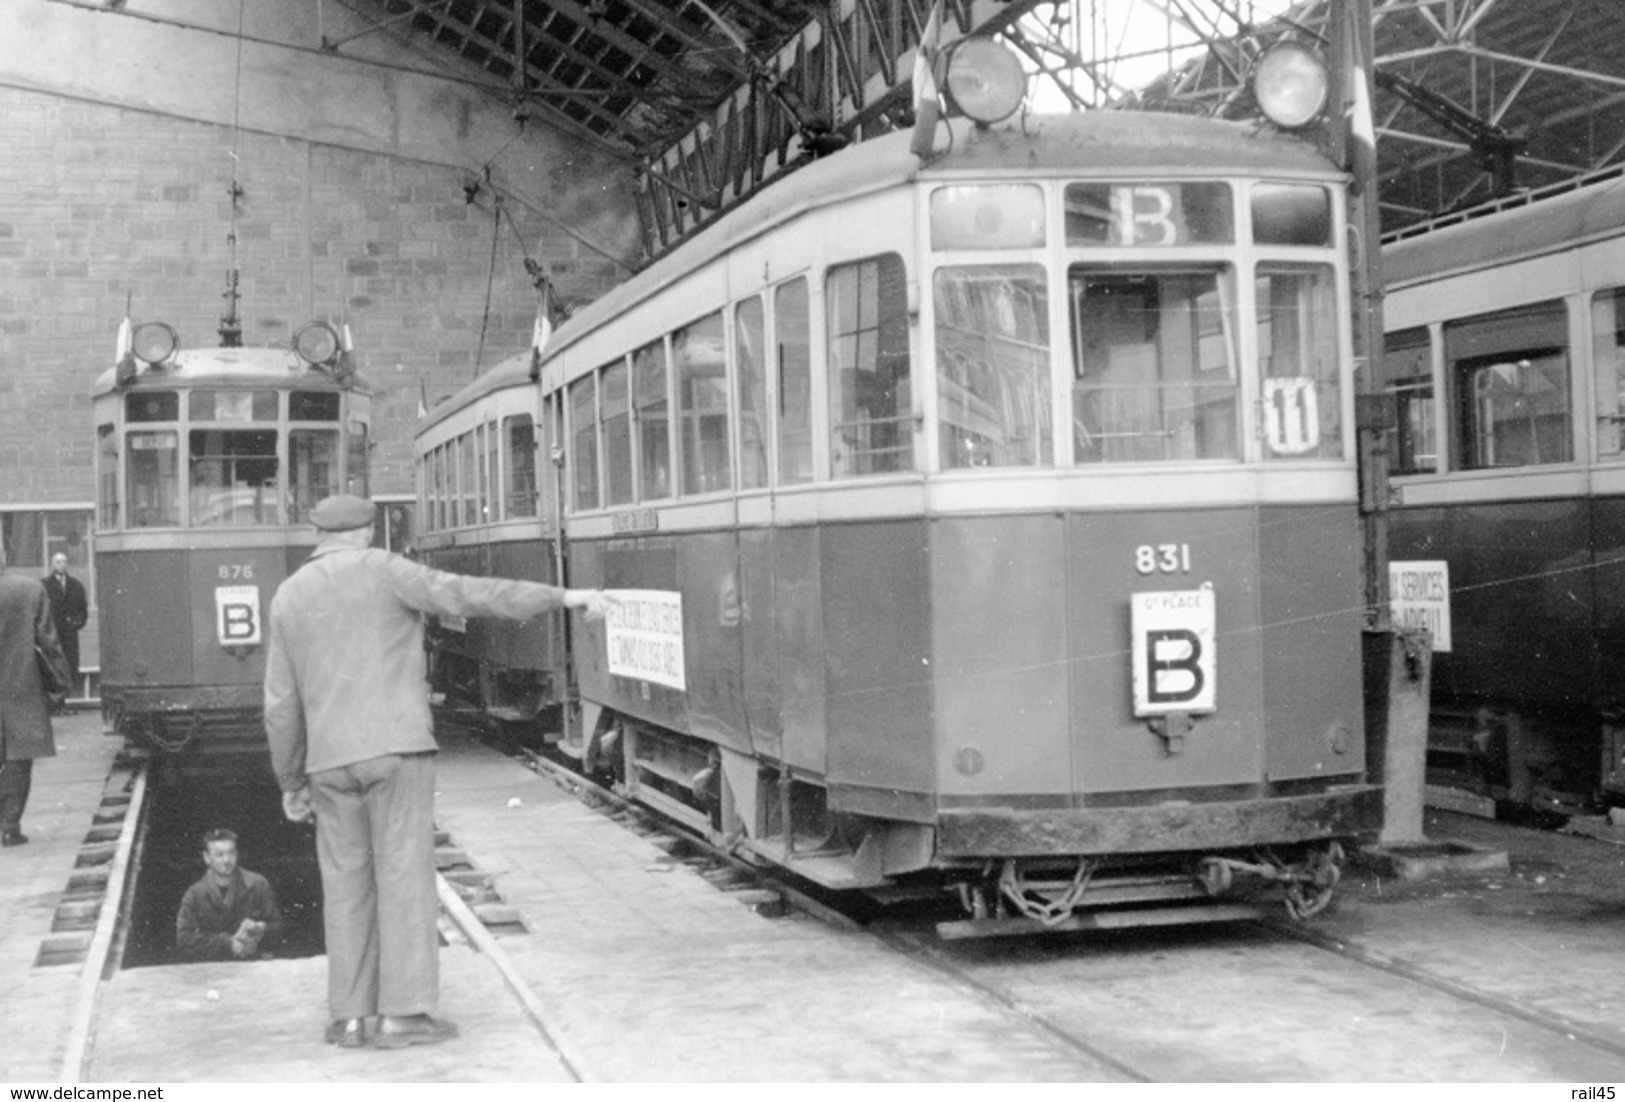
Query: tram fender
(1351, 812)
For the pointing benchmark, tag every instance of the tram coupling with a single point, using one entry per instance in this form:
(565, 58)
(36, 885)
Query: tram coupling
(1014, 897)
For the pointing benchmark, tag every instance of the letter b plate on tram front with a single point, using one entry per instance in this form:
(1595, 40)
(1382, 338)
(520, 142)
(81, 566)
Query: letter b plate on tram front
(1173, 652)
(237, 615)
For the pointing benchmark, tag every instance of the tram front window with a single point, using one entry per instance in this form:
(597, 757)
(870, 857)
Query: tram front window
(1297, 352)
(313, 470)
(154, 480)
(993, 381)
(1154, 366)
(233, 477)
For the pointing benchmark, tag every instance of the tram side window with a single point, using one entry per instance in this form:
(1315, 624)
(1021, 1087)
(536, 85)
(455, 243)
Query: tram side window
(584, 442)
(154, 497)
(653, 413)
(615, 407)
(750, 381)
(486, 462)
(1510, 375)
(1300, 384)
(107, 477)
(233, 477)
(520, 434)
(1608, 361)
(792, 340)
(313, 470)
(700, 362)
(1408, 374)
(1154, 366)
(871, 410)
(993, 381)
(468, 477)
(490, 479)
(437, 488)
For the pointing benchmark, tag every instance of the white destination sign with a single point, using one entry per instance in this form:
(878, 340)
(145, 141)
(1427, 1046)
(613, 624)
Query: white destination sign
(237, 615)
(1419, 597)
(1173, 652)
(644, 631)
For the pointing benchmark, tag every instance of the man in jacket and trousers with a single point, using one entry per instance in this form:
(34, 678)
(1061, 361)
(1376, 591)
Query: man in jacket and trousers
(26, 700)
(352, 741)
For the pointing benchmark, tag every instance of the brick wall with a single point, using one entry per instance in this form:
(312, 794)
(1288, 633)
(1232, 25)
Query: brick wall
(100, 205)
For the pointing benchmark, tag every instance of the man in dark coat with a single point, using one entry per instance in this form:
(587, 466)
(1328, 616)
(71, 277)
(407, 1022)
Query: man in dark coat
(231, 913)
(25, 706)
(69, 609)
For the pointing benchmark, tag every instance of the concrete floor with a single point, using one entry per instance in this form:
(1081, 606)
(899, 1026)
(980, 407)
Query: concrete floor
(645, 972)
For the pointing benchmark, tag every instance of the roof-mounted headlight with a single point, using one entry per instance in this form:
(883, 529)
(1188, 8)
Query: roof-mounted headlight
(317, 344)
(1291, 84)
(153, 342)
(985, 81)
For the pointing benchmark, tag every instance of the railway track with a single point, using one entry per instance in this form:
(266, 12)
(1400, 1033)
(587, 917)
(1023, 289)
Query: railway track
(1301, 976)
(1263, 1001)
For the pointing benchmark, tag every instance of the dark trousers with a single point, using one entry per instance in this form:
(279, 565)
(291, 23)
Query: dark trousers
(16, 778)
(70, 650)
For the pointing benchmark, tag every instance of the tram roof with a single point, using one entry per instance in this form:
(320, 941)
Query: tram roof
(1124, 144)
(230, 366)
(513, 371)
(1546, 220)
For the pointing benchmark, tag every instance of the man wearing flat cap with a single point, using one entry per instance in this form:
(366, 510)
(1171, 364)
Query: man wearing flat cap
(347, 716)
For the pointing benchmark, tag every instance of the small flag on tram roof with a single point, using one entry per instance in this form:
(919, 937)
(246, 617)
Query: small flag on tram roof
(1362, 133)
(925, 84)
(543, 328)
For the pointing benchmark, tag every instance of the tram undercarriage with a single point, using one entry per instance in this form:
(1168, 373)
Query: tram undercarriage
(773, 816)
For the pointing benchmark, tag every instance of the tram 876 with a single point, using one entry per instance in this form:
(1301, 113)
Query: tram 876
(983, 522)
(208, 462)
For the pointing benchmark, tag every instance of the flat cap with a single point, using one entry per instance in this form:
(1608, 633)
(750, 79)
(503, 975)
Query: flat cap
(342, 512)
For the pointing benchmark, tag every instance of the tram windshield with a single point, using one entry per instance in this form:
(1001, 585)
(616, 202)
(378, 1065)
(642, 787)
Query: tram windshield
(233, 477)
(226, 458)
(1154, 365)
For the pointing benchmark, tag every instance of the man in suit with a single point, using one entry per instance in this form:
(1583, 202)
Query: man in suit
(69, 609)
(25, 706)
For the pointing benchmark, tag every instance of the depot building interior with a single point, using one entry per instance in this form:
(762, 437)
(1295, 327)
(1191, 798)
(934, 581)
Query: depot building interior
(433, 173)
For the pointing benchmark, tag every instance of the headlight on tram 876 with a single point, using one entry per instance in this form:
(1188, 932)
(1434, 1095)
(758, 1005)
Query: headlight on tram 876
(153, 342)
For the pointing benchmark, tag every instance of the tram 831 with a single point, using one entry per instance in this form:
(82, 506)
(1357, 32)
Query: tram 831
(985, 522)
(208, 463)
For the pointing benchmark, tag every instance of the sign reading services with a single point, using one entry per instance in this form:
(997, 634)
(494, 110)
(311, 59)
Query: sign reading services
(1419, 597)
(644, 631)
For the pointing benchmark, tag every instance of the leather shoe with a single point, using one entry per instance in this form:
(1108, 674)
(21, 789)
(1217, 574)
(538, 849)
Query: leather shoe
(13, 838)
(416, 1030)
(347, 1032)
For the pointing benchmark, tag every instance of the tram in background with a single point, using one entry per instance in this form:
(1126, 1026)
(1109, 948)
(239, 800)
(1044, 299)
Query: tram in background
(208, 462)
(1506, 352)
(482, 511)
(985, 522)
